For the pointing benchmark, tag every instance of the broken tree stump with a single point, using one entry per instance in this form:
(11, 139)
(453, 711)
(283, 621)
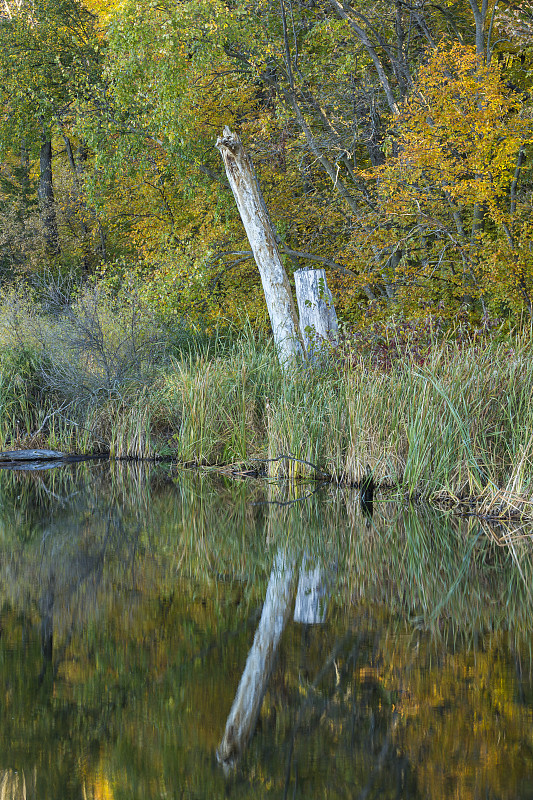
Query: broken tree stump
(318, 319)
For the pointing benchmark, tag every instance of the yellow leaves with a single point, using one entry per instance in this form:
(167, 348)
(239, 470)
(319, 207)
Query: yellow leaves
(103, 9)
(450, 191)
(461, 128)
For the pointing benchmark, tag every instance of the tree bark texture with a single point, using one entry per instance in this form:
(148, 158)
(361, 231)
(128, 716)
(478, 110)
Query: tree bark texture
(256, 221)
(47, 199)
(318, 320)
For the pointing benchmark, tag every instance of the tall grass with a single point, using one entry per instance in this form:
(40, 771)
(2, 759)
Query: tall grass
(455, 425)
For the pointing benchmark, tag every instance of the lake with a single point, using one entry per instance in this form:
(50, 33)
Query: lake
(170, 634)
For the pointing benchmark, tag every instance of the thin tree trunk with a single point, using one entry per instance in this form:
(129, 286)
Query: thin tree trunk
(480, 15)
(372, 52)
(47, 199)
(77, 180)
(102, 247)
(256, 221)
(329, 168)
(25, 170)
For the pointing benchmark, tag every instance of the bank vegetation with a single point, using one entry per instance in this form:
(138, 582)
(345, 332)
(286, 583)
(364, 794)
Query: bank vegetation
(432, 414)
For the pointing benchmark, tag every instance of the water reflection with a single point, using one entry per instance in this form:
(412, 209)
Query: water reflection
(311, 597)
(309, 609)
(261, 658)
(133, 600)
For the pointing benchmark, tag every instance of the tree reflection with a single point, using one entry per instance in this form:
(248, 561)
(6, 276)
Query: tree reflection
(254, 681)
(137, 596)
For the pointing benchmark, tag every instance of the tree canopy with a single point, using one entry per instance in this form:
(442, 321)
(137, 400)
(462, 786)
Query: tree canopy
(392, 143)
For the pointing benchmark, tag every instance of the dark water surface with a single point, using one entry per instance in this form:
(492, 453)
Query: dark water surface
(171, 635)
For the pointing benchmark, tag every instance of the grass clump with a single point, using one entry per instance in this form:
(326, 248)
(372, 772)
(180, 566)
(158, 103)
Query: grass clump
(449, 419)
(21, 393)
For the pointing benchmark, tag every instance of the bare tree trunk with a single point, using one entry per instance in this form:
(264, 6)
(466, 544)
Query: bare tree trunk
(256, 221)
(47, 199)
(318, 320)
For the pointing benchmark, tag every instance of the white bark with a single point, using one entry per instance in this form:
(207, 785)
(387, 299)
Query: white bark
(245, 710)
(318, 320)
(254, 215)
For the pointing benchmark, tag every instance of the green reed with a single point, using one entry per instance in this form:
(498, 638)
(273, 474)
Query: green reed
(153, 525)
(454, 425)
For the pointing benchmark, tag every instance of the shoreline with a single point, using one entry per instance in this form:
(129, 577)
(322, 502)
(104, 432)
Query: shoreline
(453, 426)
(489, 508)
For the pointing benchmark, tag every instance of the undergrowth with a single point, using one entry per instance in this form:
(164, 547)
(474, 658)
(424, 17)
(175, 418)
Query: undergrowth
(433, 415)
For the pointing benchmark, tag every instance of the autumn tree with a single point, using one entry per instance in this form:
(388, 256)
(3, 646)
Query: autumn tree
(329, 100)
(450, 202)
(50, 62)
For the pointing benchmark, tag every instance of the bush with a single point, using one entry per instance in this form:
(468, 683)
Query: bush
(89, 343)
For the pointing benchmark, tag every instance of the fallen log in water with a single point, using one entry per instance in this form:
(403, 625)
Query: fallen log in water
(31, 455)
(39, 459)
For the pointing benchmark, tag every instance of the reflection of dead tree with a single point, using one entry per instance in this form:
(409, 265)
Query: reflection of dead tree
(310, 605)
(247, 704)
(310, 609)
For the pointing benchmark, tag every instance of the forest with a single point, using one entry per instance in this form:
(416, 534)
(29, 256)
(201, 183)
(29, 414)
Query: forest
(392, 143)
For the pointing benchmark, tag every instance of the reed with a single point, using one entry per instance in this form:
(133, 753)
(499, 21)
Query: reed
(455, 425)
(22, 406)
(435, 570)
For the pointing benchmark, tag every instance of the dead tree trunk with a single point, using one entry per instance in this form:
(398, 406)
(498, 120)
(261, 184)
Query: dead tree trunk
(256, 221)
(318, 320)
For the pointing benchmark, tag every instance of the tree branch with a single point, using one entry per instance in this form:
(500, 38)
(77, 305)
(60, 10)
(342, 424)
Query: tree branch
(288, 251)
(371, 50)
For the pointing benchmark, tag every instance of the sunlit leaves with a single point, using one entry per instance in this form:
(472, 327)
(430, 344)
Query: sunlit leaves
(452, 191)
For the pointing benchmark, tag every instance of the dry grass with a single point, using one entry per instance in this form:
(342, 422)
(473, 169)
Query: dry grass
(456, 427)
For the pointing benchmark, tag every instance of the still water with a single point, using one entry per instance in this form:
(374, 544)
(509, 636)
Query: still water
(171, 635)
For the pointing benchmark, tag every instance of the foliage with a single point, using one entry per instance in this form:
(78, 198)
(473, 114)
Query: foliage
(449, 198)
(21, 236)
(50, 66)
(391, 142)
